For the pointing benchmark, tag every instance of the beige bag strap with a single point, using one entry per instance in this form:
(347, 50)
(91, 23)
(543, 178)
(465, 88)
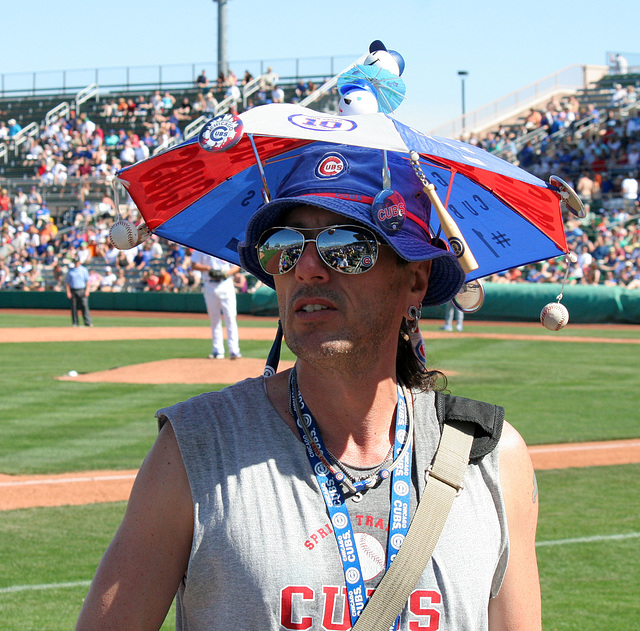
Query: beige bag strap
(444, 482)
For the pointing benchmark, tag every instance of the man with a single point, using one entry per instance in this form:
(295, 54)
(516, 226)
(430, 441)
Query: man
(220, 299)
(228, 507)
(5, 206)
(269, 80)
(202, 81)
(77, 284)
(450, 310)
(629, 189)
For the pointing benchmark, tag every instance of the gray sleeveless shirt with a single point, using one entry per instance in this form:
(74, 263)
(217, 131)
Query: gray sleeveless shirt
(264, 556)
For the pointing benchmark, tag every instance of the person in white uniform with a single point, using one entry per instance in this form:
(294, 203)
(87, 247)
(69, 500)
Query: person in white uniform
(220, 298)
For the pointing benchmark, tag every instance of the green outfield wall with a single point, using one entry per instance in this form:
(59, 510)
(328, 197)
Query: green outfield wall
(518, 302)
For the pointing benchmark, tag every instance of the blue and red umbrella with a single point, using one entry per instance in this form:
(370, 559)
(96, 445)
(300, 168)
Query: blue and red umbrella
(203, 199)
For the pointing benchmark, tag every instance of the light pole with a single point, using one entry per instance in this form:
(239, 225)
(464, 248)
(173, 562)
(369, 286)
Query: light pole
(222, 37)
(463, 75)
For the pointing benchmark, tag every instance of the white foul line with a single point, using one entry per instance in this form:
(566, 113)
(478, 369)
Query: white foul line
(34, 588)
(97, 478)
(557, 542)
(594, 539)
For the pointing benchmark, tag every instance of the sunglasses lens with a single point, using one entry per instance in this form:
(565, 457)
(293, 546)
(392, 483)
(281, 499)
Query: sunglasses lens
(279, 250)
(348, 250)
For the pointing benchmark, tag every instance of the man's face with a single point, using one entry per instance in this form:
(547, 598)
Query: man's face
(345, 321)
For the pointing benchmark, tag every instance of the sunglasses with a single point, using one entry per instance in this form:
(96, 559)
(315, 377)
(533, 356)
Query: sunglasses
(345, 249)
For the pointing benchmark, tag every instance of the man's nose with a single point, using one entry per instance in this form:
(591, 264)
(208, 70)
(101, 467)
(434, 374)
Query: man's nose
(310, 267)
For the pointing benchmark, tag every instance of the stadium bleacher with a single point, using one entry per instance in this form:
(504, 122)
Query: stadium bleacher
(595, 131)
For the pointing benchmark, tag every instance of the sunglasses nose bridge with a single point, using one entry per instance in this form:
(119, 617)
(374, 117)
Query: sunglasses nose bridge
(310, 259)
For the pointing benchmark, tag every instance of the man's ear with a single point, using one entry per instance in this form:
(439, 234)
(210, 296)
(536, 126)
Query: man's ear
(420, 273)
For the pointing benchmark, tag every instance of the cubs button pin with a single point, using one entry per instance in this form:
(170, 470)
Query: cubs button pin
(388, 210)
(221, 133)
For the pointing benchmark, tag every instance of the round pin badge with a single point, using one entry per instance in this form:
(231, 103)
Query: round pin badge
(457, 246)
(221, 133)
(470, 298)
(389, 210)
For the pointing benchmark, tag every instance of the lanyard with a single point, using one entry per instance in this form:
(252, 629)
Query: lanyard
(330, 481)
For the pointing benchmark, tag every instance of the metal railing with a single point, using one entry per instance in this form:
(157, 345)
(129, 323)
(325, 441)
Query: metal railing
(250, 88)
(59, 110)
(28, 131)
(167, 144)
(162, 77)
(90, 92)
(195, 126)
(536, 138)
(4, 152)
(633, 61)
(568, 80)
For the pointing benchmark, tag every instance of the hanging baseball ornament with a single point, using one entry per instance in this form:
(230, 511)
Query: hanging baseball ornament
(221, 133)
(124, 234)
(554, 316)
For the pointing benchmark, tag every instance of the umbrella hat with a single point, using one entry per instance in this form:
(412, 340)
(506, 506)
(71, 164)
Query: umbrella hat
(205, 200)
(346, 180)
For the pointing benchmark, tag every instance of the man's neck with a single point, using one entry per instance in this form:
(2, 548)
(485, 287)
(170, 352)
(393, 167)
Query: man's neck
(355, 415)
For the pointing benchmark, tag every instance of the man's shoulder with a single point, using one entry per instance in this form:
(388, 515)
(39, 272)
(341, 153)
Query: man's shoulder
(487, 418)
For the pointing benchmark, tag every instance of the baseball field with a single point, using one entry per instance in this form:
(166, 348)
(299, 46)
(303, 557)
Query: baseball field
(77, 408)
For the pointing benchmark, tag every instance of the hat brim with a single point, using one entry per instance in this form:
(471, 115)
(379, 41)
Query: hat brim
(445, 281)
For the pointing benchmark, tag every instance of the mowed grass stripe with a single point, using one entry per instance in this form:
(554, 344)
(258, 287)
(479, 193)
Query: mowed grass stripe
(560, 542)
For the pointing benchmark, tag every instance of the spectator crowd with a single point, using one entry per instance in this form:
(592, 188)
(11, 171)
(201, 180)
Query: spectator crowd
(596, 150)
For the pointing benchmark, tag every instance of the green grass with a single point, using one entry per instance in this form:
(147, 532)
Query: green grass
(52, 426)
(552, 391)
(590, 585)
(502, 328)
(585, 586)
(15, 318)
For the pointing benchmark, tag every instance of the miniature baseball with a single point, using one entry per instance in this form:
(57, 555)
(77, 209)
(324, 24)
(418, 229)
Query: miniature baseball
(123, 234)
(554, 316)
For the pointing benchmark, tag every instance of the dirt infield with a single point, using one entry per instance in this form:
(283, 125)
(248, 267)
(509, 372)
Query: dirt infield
(27, 491)
(109, 486)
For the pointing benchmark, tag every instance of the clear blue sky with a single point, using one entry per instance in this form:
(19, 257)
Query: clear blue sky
(503, 44)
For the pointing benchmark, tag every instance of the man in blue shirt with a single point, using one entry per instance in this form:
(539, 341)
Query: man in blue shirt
(78, 292)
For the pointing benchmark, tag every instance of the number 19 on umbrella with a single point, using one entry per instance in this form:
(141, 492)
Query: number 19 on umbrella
(449, 227)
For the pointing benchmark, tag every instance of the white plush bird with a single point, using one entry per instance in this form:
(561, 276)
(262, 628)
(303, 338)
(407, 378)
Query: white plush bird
(379, 56)
(358, 97)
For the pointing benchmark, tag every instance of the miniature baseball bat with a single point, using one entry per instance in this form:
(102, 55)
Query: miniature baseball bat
(450, 228)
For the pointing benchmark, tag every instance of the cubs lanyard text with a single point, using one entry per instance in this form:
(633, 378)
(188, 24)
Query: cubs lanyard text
(335, 500)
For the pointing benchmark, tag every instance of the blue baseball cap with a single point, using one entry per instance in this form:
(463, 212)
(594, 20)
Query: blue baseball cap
(345, 180)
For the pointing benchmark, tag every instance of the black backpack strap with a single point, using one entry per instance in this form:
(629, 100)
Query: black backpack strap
(487, 419)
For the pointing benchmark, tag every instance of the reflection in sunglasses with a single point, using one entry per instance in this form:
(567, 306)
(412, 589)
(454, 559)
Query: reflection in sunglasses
(346, 249)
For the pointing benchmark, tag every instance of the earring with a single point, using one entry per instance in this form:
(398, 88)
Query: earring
(415, 337)
(413, 318)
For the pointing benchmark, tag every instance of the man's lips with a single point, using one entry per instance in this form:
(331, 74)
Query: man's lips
(313, 305)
